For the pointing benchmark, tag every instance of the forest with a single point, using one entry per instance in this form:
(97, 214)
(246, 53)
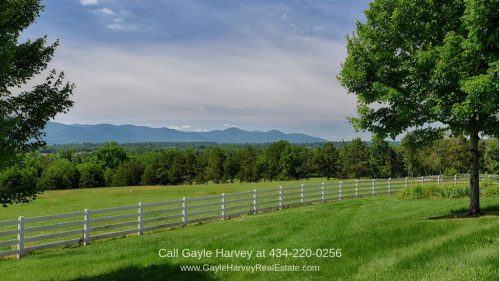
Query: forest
(112, 164)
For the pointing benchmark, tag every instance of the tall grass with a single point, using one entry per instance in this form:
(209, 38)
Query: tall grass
(488, 188)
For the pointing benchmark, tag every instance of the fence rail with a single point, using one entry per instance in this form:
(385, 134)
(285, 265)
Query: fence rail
(24, 235)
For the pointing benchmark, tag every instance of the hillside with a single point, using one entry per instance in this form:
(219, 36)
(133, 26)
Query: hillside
(381, 238)
(57, 133)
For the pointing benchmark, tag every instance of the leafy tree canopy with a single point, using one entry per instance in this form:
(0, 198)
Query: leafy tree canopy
(24, 112)
(427, 65)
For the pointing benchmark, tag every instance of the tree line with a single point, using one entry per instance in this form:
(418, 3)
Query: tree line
(113, 165)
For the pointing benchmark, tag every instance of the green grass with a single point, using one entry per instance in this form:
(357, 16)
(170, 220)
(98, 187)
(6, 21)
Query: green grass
(382, 238)
(70, 200)
(448, 190)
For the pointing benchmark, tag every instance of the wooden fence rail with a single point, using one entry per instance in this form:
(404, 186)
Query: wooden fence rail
(23, 235)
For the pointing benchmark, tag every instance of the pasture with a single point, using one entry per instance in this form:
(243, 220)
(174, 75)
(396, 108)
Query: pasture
(381, 238)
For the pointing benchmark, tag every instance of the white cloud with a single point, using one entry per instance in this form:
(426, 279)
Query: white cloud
(121, 27)
(258, 87)
(106, 11)
(227, 125)
(114, 19)
(89, 2)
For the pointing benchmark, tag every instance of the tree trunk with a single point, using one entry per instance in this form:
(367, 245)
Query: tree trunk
(474, 175)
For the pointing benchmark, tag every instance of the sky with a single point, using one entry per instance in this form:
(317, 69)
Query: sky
(204, 65)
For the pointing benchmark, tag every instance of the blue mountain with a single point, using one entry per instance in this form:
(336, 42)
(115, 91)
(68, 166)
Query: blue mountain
(58, 133)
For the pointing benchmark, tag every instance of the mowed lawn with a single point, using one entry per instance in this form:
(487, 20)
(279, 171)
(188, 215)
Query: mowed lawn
(382, 238)
(63, 201)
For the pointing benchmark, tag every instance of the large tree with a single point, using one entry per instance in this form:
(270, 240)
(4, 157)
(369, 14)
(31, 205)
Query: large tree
(25, 112)
(427, 65)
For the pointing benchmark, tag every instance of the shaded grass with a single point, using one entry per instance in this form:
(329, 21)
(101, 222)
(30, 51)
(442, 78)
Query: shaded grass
(382, 238)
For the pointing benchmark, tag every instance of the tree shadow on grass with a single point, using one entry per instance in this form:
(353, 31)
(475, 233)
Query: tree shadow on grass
(151, 273)
(462, 213)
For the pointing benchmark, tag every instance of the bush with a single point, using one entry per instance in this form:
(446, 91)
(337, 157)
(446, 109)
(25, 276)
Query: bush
(435, 191)
(489, 188)
(18, 185)
(450, 172)
(60, 174)
(91, 175)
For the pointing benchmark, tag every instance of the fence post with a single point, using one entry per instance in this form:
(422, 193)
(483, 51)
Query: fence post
(322, 192)
(86, 227)
(223, 206)
(389, 186)
(406, 182)
(455, 180)
(184, 211)
(302, 194)
(20, 237)
(373, 186)
(340, 190)
(280, 202)
(422, 180)
(357, 194)
(439, 179)
(254, 202)
(140, 217)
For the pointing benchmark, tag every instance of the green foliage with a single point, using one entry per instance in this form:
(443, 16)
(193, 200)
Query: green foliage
(380, 164)
(129, 173)
(354, 158)
(491, 157)
(231, 166)
(18, 185)
(60, 174)
(110, 155)
(273, 157)
(414, 63)
(250, 163)
(91, 175)
(327, 160)
(428, 66)
(24, 113)
(437, 157)
(435, 191)
(450, 172)
(215, 165)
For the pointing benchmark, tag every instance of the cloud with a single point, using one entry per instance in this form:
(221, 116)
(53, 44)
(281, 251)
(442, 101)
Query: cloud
(106, 11)
(89, 2)
(121, 27)
(259, 87)
(114, 19)
(227, 125)
(262, 64)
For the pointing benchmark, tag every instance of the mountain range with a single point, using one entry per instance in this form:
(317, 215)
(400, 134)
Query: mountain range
(58, 133)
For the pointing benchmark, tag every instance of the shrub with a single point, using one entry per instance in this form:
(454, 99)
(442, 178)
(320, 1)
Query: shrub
(91, 175)
(60, 174)
(450, 172)
(18, 185)
(447, 190)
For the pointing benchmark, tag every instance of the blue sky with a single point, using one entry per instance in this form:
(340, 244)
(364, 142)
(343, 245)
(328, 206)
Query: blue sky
(204, 65)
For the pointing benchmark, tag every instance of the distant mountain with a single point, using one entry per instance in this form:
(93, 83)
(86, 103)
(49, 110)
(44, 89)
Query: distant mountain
(57, 133)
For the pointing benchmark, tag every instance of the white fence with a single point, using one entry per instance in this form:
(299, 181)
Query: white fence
(27, 234)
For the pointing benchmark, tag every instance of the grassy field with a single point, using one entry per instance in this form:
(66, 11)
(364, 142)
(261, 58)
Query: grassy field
(382, 238)
(62, 201)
